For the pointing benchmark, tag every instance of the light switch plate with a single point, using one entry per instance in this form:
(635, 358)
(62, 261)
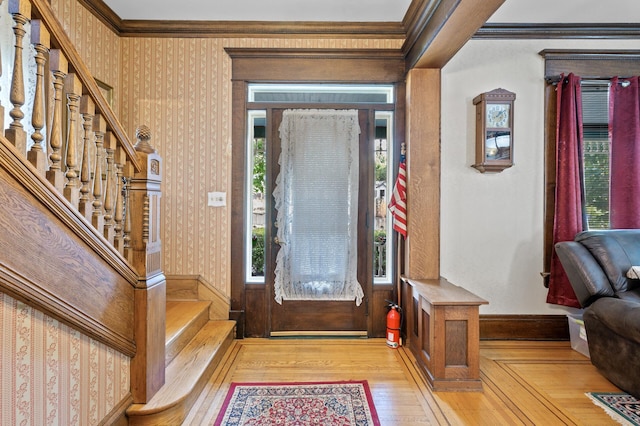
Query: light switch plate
(217, 199)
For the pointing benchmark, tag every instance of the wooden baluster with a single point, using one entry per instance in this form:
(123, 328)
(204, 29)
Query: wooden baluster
(73, 88)
(40, 40)
(97, 219)
(21, 11)
(59, 67)
(120, 158)
(126, 229)
(109, 188)
(87, 110)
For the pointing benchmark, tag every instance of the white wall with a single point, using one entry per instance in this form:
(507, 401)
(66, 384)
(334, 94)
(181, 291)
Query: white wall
(492, 223)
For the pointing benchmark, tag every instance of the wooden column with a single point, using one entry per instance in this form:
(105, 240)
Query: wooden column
(109, 187)
(97, 217)
(21, 11)
(59, 67)
(87, 112)
(73, 90)
(41, 42)
(147, 367)
(422, 250)
(120, 159)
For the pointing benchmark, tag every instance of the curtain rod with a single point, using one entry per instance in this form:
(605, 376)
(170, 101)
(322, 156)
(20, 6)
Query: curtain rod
(555, 79)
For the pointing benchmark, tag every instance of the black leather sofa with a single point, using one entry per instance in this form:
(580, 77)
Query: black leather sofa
(597, 264)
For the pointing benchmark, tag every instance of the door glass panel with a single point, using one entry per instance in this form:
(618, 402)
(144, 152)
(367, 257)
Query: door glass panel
(255, 187)
(382, 255)
(316, 196)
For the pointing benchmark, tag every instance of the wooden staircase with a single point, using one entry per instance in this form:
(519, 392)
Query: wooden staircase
(194, 346)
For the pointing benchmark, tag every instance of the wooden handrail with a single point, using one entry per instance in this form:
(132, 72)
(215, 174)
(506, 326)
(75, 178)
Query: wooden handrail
(106, 320)
(43, 10)
(57, 254)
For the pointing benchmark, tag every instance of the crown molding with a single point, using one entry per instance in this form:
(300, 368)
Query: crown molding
(104, 13)
(370, 30)
(558, 31)
(187, 29)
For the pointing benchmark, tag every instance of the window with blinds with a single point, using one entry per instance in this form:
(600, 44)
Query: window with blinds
(595, 116)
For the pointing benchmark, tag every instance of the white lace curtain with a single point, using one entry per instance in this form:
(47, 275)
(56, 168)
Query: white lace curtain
(316, 197)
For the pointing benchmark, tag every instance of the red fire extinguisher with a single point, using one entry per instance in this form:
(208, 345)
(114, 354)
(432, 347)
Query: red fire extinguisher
(393, 325)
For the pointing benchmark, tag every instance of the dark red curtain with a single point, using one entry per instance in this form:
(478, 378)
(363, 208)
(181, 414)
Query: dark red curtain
(624, 131)
(568, 219)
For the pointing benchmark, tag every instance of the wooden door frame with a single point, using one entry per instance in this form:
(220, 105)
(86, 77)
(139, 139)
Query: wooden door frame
(355, 66)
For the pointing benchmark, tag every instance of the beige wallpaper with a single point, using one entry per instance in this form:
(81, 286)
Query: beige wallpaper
(181, 89)
(98, 45)
(51, 374)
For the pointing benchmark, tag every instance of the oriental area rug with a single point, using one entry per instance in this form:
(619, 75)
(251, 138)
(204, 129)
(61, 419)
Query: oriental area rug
(622, 407)
(299, 404)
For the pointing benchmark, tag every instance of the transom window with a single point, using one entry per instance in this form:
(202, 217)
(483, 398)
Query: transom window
(319, 94)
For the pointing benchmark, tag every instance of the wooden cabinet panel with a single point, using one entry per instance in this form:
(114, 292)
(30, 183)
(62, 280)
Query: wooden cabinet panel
(443, 331)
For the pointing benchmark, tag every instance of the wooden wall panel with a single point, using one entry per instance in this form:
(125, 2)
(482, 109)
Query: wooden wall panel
(54, 260)
(422, 258)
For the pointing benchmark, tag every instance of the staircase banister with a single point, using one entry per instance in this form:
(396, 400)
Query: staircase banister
(108, 320)
(43, 10)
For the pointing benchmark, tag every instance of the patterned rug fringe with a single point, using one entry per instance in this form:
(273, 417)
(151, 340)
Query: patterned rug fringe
(299, 403)
(614, 413)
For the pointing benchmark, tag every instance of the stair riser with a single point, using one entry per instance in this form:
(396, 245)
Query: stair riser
(176, 414)
(174, 347)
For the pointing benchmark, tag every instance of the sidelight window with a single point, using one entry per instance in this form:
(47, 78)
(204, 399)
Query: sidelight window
(255, 187)
(383, 185)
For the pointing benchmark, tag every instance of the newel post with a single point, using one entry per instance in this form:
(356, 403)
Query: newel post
(147, 367)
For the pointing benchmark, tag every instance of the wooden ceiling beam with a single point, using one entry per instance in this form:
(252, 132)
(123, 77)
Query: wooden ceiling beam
(443, 28)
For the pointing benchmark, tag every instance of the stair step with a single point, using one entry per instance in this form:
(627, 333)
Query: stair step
(183, 320)
(185, 377)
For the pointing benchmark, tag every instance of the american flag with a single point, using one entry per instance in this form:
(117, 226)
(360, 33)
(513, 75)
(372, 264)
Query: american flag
(398, 204)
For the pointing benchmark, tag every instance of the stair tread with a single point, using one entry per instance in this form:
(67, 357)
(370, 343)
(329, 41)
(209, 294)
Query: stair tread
(180, 314)
(186, 369)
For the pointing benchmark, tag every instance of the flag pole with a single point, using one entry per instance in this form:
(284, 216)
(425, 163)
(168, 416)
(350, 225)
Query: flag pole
(398, 210)
(401, 238)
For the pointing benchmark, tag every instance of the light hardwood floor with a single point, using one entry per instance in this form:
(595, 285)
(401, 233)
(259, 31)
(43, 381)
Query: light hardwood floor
(524, 383)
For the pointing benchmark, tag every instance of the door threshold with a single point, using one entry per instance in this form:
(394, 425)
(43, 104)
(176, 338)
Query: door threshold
(312, 333)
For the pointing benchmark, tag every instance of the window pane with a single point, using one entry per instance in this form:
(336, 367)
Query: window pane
(256, 163)
(595, 102)
(596, 179)
(382, 256)
(321, 93)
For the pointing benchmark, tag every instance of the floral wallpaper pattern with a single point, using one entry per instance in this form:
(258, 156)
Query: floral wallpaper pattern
(181, 89)
(51, 374)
